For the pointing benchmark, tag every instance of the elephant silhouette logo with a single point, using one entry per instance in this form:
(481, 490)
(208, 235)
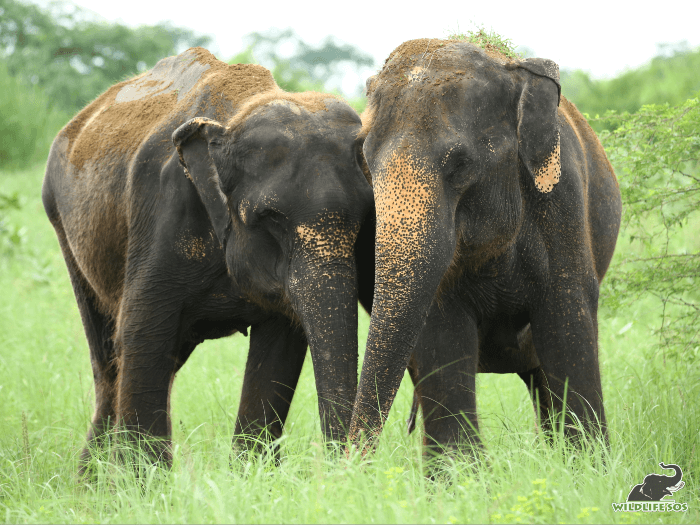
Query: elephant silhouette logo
(657, 486)
(649, 495)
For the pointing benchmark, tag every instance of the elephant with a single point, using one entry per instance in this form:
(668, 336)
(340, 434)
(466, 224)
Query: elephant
(199, 199)
(497, 214)
(657, 486)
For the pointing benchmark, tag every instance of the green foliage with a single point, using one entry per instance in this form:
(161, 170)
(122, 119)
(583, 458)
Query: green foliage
(487, 40)
(54, 61)
(74, 57)
(10, 235)
(672, 77)
(535, 507)
(321, 65)
(28, 123)
(656, 153)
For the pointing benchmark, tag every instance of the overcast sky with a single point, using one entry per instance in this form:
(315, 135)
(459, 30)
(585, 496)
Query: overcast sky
(601, 37)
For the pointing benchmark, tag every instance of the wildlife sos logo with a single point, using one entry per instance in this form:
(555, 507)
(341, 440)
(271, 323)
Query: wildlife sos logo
(648, 495)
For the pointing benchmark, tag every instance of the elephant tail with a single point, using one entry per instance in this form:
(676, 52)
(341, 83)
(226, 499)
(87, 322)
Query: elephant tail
(411, 421)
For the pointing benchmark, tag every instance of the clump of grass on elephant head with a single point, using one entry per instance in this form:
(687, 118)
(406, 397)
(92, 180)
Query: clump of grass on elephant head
(488, 41)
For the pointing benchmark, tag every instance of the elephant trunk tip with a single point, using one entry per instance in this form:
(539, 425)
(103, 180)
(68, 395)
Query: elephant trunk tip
(669, 466)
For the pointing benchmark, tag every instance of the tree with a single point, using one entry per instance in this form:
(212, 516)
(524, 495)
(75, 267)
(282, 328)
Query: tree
(308, 67)
(656, 154)
(74, 56)
(670, 77)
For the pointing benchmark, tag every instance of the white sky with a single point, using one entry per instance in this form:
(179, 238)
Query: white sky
(601, 37)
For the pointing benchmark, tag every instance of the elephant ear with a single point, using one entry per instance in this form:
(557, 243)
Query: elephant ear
(198, 142)
(538, 125)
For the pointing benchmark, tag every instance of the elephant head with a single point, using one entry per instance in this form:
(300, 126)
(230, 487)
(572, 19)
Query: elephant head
(447, 132)
(656, 486)
(286, 195)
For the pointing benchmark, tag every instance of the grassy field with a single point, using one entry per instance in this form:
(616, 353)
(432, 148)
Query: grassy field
(46, 401)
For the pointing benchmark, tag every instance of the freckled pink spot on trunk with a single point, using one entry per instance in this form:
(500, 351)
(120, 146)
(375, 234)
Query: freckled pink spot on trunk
(405, 197)
(406, 193)
(328, 237)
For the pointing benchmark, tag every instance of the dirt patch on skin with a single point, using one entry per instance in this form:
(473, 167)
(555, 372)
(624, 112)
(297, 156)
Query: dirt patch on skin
(191, 247)
(123, 117)
(179, 76)
(310, 100)
(328, 238)
(118, 121)
(409, 61)
(547, 175)
(427, 46)
(405, 197)
(427, 61)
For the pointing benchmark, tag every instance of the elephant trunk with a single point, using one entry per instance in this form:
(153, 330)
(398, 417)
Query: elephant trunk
(323, 291)
(673, 480)
(414, 247)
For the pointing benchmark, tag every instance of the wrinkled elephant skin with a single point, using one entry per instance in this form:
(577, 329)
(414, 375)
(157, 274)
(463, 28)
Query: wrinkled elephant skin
(497, 214)
(197, 200)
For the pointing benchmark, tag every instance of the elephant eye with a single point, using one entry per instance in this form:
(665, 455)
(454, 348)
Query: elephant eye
(457, 166)
(277, 155)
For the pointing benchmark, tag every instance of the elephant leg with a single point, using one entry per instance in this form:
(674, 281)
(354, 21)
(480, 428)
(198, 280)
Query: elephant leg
(275, 358)
(150, 349)
(536, 382)
(504, 349)
(444, 362)
(565, 334)
(364, 260)
(99, 331)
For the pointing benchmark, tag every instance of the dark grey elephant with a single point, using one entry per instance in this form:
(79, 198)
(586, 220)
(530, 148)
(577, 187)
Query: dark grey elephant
(657, 486)
(263, 233)
(497, 215)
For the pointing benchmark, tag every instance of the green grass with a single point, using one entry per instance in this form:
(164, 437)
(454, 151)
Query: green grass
(46, 399)
(486, 39)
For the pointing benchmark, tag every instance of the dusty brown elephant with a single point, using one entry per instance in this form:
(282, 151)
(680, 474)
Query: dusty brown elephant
(199, 199)
(497, 216)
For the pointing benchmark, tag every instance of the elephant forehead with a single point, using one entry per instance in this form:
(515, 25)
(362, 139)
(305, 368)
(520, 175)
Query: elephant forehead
(296, 120)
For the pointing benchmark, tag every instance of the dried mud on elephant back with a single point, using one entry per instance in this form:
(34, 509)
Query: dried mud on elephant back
(117, 122)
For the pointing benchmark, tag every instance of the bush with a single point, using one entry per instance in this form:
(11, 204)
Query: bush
(671, 77)
(656, 153)
(74, 56)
